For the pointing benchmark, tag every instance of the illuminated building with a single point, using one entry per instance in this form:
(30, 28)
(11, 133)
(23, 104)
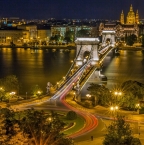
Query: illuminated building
(131, 18)
(122, 28)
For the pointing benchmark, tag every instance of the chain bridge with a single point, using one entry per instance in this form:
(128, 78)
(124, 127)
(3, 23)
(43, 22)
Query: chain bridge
(88, 61)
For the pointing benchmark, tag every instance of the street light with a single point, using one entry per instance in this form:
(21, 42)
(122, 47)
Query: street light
(74, 96)
(137, 107)
(12, 93)
(39, 93)
(117, 94)
(57, 85)
(64, 78)
(113, 109)
(88, 96)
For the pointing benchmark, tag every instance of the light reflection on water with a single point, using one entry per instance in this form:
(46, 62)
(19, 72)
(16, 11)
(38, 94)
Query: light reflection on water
(35, 66)
(47, 65)
(128, 66)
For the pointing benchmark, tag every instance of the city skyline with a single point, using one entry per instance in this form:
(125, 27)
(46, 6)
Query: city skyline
(82, 9)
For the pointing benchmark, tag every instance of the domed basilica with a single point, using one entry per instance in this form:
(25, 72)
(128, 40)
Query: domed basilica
(126, 26)
(131, 18)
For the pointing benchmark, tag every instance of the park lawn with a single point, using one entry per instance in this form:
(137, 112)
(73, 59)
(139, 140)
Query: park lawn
(78, 125)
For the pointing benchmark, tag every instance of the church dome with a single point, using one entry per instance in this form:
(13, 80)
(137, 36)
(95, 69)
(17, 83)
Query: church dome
(131, 16)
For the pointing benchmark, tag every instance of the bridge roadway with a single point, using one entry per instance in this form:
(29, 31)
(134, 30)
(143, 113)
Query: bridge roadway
(91, 121)
(68, 84)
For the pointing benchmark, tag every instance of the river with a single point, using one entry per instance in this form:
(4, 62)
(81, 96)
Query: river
(39, 66)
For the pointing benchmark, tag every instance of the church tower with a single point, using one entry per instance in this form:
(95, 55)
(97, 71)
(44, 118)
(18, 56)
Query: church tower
(122, 18)
(131, 16)
(137, 17)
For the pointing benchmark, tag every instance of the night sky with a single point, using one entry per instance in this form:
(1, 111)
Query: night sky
(72, 9)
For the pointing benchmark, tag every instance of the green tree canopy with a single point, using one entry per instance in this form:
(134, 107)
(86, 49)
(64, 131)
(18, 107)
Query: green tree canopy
(71, 115)
(136, 88)
(142, 40)
(100, 93)
(82, 33)
(36, 90)
(69, 36)
(10, 83)
(55, 38)
(120, 133)
(130, 39)
(44, 128)
(32, 127)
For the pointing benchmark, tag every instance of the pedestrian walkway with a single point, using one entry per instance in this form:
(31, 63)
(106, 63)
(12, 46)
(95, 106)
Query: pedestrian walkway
(22, 103)
(95, 141)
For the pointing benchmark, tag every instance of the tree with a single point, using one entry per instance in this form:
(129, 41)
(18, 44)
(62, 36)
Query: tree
(18, 136)
(134, 92)
(33, 127)
(3, 136)
(120, 133)
(36, 90)
(82, 33)
(44, 128)
(10, 132)
(10, 84)
(142, 40)
(100, 94)
(69, 36)
(2, 93)
(71, 115)
(131, 39)
(130, 101)
(55, 38)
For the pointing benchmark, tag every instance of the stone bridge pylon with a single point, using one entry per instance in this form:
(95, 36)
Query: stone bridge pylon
(108, 35)
(87, 46)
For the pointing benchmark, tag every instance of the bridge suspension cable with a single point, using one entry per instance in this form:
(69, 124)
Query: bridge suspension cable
(73, 62)
(62, 81)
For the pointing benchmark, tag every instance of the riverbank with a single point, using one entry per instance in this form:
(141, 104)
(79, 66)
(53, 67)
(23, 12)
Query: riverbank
(41, 46)
(131, 48)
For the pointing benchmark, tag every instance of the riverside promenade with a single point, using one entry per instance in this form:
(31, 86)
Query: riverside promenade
(39, 46)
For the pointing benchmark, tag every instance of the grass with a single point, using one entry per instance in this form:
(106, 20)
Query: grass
(79, 124)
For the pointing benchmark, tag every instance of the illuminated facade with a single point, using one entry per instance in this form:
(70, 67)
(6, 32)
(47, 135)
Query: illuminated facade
(123, 28)
(131, 18)
(13, 35)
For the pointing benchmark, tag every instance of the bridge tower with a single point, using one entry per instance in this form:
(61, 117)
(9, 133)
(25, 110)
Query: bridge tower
(108, 34)
(87, 45)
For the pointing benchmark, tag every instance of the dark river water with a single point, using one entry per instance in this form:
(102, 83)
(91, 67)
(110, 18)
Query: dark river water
(129, 65)
(46, 65)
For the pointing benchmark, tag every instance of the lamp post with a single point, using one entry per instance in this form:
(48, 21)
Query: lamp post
(1, 93)
(57, 85)
(117, 94)
(114, 109)
(137, 107)
(74, 96)
(12, 94)
(39, 93)
(88, 96)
